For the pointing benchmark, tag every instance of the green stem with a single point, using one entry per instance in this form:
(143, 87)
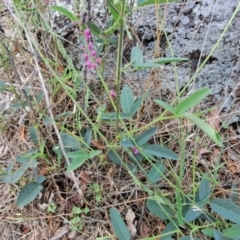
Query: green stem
(119, 61)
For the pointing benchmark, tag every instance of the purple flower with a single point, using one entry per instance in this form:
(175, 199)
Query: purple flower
(85, 56)
(90, 65)
(87, 34)
(113, 94)
(98, 61)
(94, 54)
(90, 46)
(135, 150)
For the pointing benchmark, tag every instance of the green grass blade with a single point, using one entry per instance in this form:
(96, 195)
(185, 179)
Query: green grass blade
(168, 60)
(142, 3)
(65, 12)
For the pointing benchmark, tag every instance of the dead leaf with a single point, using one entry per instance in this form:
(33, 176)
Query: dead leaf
(84, 179)
(130, 216)
(43, 170)
(204, 151)
(97, 144)
(22, 133)
(216, 154)
(233, 167)
(59, 233)
(214, 119)
(144, 230)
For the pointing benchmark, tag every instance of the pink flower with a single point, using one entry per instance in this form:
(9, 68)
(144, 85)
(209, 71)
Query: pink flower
(135, 150)
(98, 61)
(94, 54)
(90, 65)
(87, 34)
(90, 46)
(85, 56)
(113, 94)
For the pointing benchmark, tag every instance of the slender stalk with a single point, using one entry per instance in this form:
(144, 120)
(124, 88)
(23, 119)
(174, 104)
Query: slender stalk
(119, 61)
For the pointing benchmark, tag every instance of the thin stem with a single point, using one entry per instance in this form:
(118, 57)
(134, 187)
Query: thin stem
(119, 61)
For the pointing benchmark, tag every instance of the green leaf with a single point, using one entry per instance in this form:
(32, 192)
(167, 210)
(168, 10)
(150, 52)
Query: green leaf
(28, 193)
(79, 158)
(28, 156)
(141, 3)
(210, 132)
(114, 157)
(235, 194)
(39, 97)
(127, 99)
(8, 177)
(165, 105)
(136, 56)
(127, 143)
(64, 114)
(65, 12)
(156, 172)
(232, 232)
(226, 209)
(18, 174)
(132, 167)
(208, 232)
(147, 65)
(159, 151)
(114, 9)
(119, 226)
(145, 136)
(204, 190)
(188, 238)
(168, 60)
(191, 100)
(169, 230)
(34, 135)
(160, 210)
(193, 213)
(88, 136)
(3, 86)
(217, 235)
(113, 116)
(39, 179)
(70, 142)
(19, 105)
(94, 29)
(137, 104)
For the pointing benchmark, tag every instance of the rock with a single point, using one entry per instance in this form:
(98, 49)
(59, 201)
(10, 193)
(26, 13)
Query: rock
(193, 29)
